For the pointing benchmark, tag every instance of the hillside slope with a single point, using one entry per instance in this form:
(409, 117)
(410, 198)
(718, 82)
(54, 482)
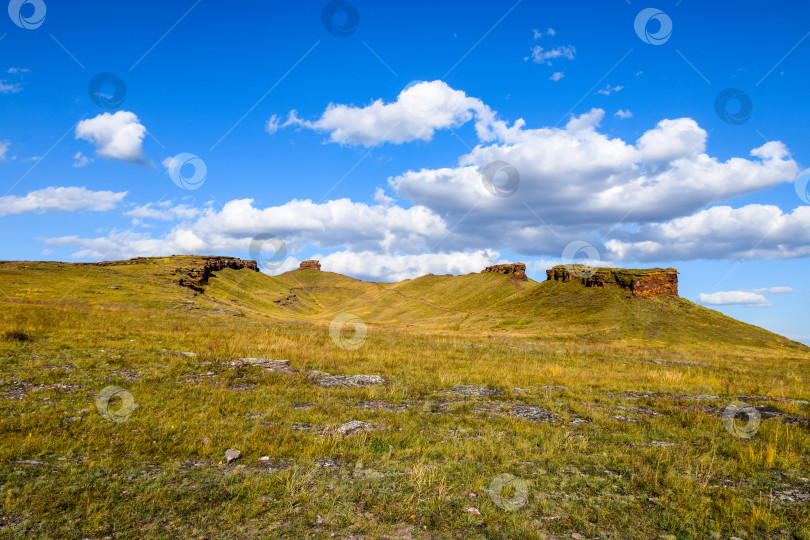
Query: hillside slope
(479, 304)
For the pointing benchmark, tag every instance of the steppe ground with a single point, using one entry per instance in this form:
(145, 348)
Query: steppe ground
(493, 432)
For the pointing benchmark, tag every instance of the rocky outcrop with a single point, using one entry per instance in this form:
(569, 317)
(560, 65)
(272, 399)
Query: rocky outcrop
(195, 275)
(310, 265)
(516, 270)
(650, 283)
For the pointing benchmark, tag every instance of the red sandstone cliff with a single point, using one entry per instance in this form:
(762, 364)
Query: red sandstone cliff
(196, 275)
(516, 270)
(310, 265)
(649, 283)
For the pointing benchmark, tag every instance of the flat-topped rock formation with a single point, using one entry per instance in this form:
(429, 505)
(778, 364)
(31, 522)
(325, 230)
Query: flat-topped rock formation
(310, 265)
(650, 283)
(516, 270)
(196, 275)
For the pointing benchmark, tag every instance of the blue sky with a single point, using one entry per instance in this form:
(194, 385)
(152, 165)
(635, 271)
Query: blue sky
(617, 138)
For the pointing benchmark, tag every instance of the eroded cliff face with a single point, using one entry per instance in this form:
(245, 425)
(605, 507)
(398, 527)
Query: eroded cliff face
(516, 270)
(654, 282)
(310, 265)
(196, 275)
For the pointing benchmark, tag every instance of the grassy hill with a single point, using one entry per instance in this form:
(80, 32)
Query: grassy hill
(549, 408)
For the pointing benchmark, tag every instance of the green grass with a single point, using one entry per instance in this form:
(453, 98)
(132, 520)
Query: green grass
(576, 352)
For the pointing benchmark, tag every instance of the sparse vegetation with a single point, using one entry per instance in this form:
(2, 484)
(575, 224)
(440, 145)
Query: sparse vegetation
(607, 407)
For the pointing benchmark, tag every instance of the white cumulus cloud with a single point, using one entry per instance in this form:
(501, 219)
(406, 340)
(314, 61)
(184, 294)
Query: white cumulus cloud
(419, 111)
(387, 267)
(60, 199)
(725, 298)
(657, 198)
(753, 231)
(116, 135)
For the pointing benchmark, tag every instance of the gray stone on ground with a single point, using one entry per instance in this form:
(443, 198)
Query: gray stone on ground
(353, 426)
(332, 381)
(231, 455)
(378, 404)
(476, 391)
(267, 363)
(530, 412)
(519, 410)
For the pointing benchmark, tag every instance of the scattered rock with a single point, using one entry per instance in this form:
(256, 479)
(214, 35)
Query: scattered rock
(530, 412)
(282, 366)
(302, 406)
(353, 426)
(302, 427)
(577, 421)
(638, 410)
(33, 463)
(472, 510)
(379, 404)
(475, 391)
(334, 381)
(577, 536)
(767, 412)
(679, 363)
(127, 375)
(264, 458)
(231, 455)
(662, 444)
(657, 395)
(518, 410)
